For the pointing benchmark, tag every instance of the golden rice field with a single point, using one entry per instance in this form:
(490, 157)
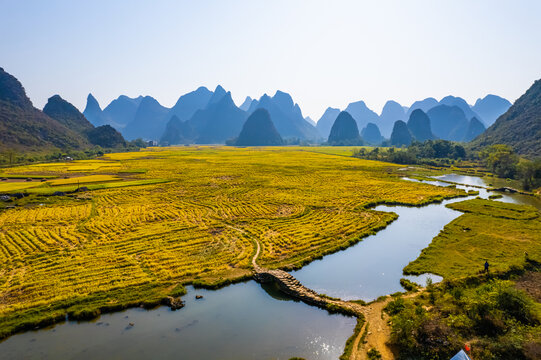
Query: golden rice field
(193, 217)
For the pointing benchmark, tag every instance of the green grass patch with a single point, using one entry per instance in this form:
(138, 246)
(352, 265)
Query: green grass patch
(499, 232)
(26, 176)
(47, 190)
(348, 349)
(83, 307)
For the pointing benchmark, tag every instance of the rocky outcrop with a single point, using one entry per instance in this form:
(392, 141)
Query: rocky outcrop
(173, 303)
(344, 131)
(259, 130)
(401, 134)
(371, 134)
(419, 126)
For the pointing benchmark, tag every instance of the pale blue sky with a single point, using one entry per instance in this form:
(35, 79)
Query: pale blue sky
(325, 53)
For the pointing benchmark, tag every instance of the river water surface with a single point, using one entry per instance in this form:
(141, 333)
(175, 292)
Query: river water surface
(373, 267)
(248, 321)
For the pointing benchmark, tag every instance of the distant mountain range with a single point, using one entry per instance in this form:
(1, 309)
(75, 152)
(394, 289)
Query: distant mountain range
(326, 121)
(286, 116)
(211, 117)
(519, 126)
(440, 122)
(59, 126)
(490, 108)
(391, 112)
(144, 117)
(221, 120)
(362, 114)
(450, 118)
(206, 121)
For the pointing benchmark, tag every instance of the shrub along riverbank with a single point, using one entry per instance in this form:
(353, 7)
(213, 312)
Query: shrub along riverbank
(490, 314)
(497, 314)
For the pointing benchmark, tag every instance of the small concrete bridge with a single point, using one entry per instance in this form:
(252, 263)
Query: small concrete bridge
(292, 287)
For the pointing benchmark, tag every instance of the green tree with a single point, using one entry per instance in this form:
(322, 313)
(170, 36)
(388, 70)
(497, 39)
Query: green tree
(530, 174)
(501, 160)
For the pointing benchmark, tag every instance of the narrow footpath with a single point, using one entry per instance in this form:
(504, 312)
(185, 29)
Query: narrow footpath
(378, 333)
(292, 287)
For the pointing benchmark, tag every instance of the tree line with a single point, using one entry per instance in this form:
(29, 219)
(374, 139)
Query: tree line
(499, 159)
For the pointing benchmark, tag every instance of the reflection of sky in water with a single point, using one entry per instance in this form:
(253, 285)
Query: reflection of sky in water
(242, 321)
(374, 266)
(483, 193)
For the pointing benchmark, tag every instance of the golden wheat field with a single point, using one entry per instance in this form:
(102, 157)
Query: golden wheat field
(131, 240)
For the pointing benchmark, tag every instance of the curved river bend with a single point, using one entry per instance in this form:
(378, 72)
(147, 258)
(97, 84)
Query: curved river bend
(248, 321)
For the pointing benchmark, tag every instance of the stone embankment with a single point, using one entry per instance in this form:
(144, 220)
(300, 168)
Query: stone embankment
(292, 287)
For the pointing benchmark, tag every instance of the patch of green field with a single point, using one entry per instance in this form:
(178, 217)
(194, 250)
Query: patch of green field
(64, 167)
(83, 180)
(8, 187)
(489, 230)
(48, 190)
(29, 176)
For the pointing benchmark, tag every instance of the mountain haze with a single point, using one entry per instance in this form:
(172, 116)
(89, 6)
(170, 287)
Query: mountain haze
(475, 129)
(424, 105)
(401, 135)
(286, 116)
(362, 114)
(462, 104)
(188, 104)
(419, 126)
(344, 131)
(221, 120)
(178, 132)
(519, 127)
(448, 122)
(93, 111)
(245, 106)
(310, 121)
(149, 120)
(258, 130)
(491, 107)
(326, 121)
(371, 134)
(391, 112)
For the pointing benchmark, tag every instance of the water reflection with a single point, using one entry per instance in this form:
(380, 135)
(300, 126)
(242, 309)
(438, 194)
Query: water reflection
(238, 322)
(477, 181)
(373, 267)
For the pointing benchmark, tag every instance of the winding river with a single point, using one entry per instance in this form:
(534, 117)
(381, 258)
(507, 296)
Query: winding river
(250, 321)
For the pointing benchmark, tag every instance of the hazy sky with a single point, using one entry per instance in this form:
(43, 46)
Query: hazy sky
(324, 53)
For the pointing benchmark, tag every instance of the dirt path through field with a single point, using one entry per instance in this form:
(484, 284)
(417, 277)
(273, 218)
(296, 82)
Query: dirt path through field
(256, 255)
(378, 332)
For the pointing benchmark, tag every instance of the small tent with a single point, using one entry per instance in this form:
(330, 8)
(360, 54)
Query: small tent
(461, 355)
